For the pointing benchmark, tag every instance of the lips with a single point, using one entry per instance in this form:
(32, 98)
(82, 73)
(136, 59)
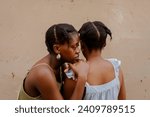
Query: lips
(77, 57)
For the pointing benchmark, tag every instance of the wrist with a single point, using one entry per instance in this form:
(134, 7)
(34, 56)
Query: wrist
(82, 79)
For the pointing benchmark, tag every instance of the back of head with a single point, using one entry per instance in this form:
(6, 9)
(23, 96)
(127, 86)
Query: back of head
(58, 33)
(94, 34)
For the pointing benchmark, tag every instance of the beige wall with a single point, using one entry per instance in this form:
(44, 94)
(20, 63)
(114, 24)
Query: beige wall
(23, 24)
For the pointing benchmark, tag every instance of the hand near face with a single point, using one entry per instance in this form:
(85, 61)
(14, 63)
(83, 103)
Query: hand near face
(80, 69)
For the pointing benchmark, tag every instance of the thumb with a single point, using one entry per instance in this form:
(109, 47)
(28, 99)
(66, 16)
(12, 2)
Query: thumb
(66, 67)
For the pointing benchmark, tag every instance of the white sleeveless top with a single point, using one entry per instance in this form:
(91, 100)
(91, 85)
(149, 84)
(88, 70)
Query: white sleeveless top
(107, 91)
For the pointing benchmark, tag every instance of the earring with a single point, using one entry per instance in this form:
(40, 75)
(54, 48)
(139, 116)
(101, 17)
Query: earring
(58, 56)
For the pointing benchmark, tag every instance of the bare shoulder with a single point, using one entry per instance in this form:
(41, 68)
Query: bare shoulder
(37, 78)
(43, 73)
(46, 84)
(39, 75)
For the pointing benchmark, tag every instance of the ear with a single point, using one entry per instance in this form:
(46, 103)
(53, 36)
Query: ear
(56, 48)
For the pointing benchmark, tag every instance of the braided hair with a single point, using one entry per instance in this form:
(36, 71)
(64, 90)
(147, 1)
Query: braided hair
(58, 33)
(94, 35)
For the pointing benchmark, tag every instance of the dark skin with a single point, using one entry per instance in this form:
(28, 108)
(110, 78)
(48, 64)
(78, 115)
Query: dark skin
(42, 80)
(101, 71)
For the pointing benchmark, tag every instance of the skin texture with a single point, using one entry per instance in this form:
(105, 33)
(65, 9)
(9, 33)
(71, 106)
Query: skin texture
(42, 79)
(93, 39)
(100, 72)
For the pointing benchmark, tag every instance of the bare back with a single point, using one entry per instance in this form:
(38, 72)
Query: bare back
(101, 72)
(103, 80)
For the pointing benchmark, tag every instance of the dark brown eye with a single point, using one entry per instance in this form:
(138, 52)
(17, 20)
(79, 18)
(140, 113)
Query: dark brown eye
(74, 47)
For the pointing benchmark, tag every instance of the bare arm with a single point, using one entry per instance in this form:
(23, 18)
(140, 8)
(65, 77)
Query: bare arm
(68, 88)
(47, 84)
(122, 93)
(74, 89)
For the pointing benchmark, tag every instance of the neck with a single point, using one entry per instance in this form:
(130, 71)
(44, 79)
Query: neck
(94, 54)
(54, 63)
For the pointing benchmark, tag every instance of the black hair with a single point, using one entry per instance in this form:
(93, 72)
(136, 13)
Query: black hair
(94, 35)
(58, 33)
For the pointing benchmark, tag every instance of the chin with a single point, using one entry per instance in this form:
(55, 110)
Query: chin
(76, 59)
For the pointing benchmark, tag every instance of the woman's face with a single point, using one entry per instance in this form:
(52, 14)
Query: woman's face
(70, 52)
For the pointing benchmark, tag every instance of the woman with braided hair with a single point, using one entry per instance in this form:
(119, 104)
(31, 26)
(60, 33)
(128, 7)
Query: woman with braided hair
(44, 79)
(105, 78)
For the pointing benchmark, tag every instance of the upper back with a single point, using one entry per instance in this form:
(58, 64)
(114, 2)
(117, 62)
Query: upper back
(101, 71)
(103, 80)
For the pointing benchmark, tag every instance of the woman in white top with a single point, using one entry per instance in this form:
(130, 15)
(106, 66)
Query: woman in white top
(105, 78)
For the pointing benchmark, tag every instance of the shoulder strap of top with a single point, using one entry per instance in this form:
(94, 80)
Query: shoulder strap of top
(41, 64)
(116, 64)
(37, 65)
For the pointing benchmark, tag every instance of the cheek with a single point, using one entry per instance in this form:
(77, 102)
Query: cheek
(68, 53)
(68, 56)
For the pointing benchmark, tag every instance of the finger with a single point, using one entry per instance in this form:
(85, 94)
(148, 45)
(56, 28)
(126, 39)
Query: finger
(65, 70)
(72, 67)
(66, 65)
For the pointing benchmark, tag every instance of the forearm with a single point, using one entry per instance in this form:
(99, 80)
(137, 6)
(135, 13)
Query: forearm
(79, 89)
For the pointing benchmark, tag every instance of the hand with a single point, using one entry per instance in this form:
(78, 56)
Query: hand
(66, 67)
(69, 72)
(80, 69)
